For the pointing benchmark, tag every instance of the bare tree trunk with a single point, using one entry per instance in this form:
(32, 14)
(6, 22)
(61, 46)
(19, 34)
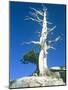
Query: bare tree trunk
(45, 62)
(43, 52)
(41, 62)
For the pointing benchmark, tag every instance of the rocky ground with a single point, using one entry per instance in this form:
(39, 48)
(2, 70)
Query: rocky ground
(36, 81)
(55, 76)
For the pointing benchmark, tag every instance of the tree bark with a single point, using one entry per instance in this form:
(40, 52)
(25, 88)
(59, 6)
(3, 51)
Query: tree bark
(41, 62)
(43, 53)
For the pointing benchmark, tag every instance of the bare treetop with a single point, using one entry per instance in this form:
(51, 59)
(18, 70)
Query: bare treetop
(39, 16)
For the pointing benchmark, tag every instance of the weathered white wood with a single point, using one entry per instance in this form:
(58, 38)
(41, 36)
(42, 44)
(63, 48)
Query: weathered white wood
(43, 52)
(41, 62)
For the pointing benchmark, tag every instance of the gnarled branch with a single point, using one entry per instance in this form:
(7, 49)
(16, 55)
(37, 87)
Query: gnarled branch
(49, 46)
(37, 11)
(51, 29)
(55, 40)
(30, 18)
(34, 42)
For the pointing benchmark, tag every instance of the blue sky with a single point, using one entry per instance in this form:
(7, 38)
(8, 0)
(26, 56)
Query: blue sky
(22, 31)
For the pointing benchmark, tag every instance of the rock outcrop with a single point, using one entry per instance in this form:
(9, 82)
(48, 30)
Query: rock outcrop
(36, 81)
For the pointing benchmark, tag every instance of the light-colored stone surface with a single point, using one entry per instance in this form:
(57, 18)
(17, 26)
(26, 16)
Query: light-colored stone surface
(58, 68)
(36, 81)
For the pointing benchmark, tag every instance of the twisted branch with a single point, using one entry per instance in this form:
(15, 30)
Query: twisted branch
(34, 42)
